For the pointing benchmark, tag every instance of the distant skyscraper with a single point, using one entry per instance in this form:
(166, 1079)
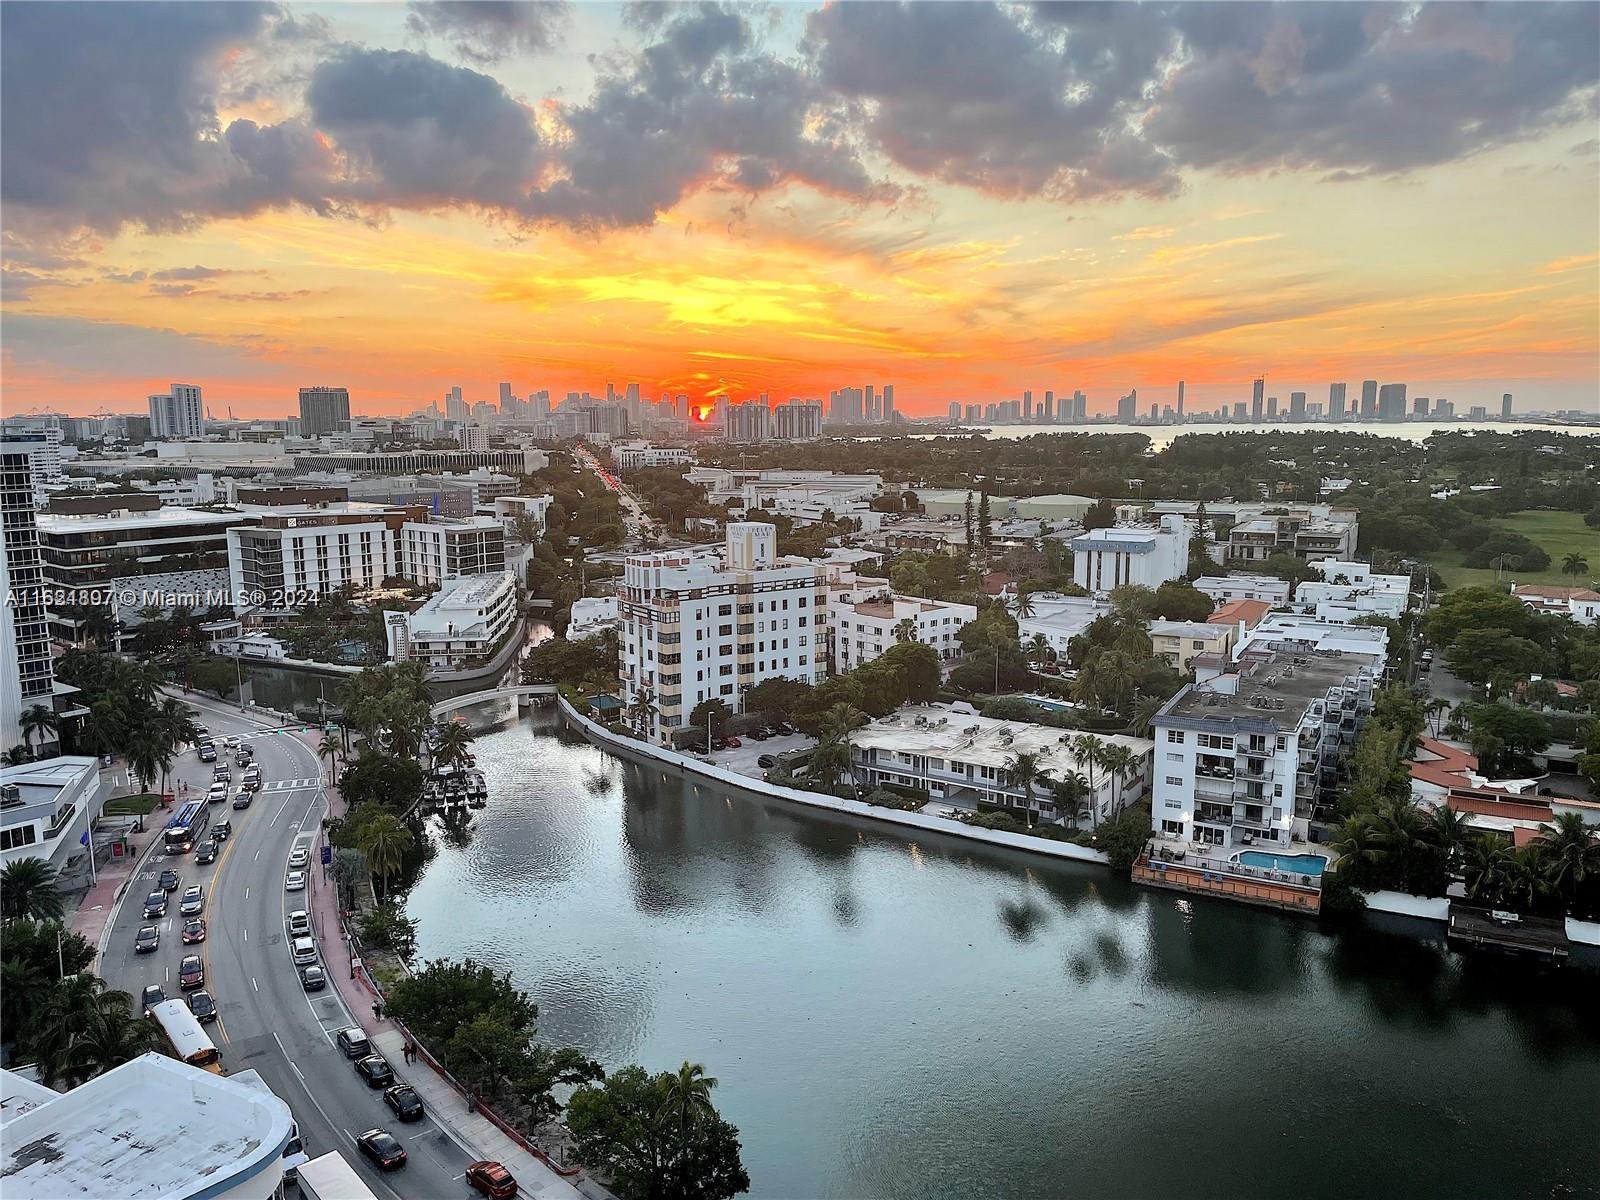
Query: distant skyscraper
(1257, 393)
(1272, 408)
(974, 414)
(1180, 399)
(507, 400)
(1048, 413)
(324, 410)
(1297, 406)
(888, 403)
(955, 413)
(797, 421)
(1080, 407)
(1419, 406)
(178, 414)
(1027, 406)
(455, 408)
(1336, 401)
(1128, 408)
(1505, 407)
(869, 409)
(1392, 402)
(1369, 399)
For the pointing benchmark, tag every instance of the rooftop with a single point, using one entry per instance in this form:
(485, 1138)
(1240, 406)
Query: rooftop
(1540, 591)
(1250, 612)
(1185, 629)
(947, 733)
(1273, 693)
(114, 1136)
(469, 591)
(166, 516)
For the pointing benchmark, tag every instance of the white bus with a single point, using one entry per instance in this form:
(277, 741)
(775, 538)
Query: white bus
(186, 1037)
(331, 1177)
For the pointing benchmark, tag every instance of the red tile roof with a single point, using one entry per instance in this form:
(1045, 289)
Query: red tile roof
(1234, 611)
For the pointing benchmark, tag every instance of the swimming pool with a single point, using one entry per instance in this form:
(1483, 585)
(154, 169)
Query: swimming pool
(1297, 864)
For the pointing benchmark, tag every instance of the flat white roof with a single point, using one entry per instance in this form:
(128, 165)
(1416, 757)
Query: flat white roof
(992, 743)
(156, 518)
(117, 1136)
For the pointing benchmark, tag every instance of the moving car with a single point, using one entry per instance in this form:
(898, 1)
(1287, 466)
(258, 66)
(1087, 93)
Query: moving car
(147, 939)
(191, 974)
(299, 856)
(168, 882)
(203, 1007)
(206, 852)
(299, 923)
(295, 882)
(353, 1042)
(251, 781)
(221, 774)
(243, 799)
(231, 741)
(194, 900)
(155, 905)
(304, 951)
(217, 794)
(207, 754)
(312, 978)
(222, 830)
(375, 1069)
(194, 930)
(152, 995)
(380, 1146)
(404, 1102)
(492, 1179)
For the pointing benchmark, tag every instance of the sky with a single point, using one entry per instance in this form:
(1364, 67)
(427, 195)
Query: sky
(961, 199)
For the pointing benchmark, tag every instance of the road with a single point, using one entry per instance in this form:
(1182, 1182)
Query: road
(266, 1021)
(634, 518)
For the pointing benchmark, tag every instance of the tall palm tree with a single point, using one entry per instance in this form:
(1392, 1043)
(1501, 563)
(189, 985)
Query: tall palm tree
(328, 751)
(111, 1037)
(1087, 751)
(1144, 715)
(384, 842)
(1023, 771)
(1486, 865)
(828, 763)
(841, 720)
(1450, 829)
(641, 709)
(28, 889)
(1040, 650)
(1571, 853)
(61, 1023)
(1070, 790)
(1575, 564)
(688, 1095)
(1022, 606)
(1434, 712)
(37, 720)
(1120, 762)
(905, 630)
(454, 744)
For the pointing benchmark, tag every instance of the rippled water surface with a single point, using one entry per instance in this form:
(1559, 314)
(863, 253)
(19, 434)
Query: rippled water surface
(922, 1018)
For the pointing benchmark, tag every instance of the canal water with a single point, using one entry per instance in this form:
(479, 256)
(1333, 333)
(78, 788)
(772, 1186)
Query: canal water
(894, 1016)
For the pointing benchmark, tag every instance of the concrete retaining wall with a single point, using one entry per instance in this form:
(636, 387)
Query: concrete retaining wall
(1429, 908)
(636, 750)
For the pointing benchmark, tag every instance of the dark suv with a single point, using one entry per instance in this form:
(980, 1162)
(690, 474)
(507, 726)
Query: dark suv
(375, 1070)
(353, 1042)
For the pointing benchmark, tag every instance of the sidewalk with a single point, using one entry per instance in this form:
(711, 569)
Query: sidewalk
(94, 912)
(445, 1103)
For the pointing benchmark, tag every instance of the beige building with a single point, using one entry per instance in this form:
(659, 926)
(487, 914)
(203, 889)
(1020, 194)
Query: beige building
(1180, 642)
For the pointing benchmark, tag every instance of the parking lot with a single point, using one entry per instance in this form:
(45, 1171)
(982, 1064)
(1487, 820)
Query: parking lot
(743, 759)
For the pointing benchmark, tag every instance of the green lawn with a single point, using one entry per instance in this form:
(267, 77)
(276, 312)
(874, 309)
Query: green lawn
(1559, 533)
(130, 806)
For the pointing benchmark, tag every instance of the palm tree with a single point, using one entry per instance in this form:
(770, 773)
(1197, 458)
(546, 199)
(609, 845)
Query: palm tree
(1022, 606)
(642, 709)
(1575, 564)
(1434, 712)
(111, 1038)
(829, 761)
(63, 1020)
(37, 720)
(1526, 884)
(1022, 771)
(1120, 762)
(454, 743)
(22, 988)
(841, 720)
(905, 630)
(1449, 828)
(1144, 715)
(1087, 751)
(1540, 693)
(1571, 853)
(688, 1095)
(28, 889)
(15, 756)
(384, 842)
(1070, 790)
(1486, 864)
(328, 751)
(1040, 650)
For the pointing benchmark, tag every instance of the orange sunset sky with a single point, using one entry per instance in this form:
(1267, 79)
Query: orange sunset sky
(963, 200)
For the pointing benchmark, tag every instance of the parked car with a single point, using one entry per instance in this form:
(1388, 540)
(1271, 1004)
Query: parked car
(191, 974)
(312, 978)
(155, 905)
(152, 995)
(375, 1069)
(203, 1007)
(492, 1179)
(147, 939)
(404, 1102)
(243, 799)
(734, 743)
(222, 830)
(194, 899)
(353, 1042)
(785, 728)
(194, 930)
(206, 852)
(299, 857)
(299, 923)
(380, 1146)
(766, 762)
(303, 950)
(295, 882)
(168, 881)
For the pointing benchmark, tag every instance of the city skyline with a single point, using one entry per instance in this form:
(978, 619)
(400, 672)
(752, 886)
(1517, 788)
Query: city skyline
(414, 197)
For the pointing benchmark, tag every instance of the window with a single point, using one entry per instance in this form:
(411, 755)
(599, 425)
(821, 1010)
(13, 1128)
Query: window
(25, 835)
(1175, 756)
(1172, 827)
(725, 610)
(1174, 781)
(1176, 736)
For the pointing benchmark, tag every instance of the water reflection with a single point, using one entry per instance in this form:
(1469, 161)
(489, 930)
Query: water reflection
(895, 1017)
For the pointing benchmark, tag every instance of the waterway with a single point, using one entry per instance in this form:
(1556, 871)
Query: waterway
(910, 1017)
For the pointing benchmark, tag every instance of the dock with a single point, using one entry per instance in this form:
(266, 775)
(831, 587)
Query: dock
(1508, 933)
(1229, 881)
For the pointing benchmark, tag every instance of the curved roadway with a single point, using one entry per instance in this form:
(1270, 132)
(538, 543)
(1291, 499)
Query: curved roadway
(266, 1020)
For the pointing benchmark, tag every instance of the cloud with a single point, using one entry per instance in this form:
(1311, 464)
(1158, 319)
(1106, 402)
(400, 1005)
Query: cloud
(1572, 263)
(75, 347)
(195, 272)
(1146, 233)
(486, 31)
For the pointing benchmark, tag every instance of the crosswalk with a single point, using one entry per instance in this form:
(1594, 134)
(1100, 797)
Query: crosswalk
(288, 785)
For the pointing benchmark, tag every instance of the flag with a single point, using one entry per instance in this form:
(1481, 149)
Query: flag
(84, 840)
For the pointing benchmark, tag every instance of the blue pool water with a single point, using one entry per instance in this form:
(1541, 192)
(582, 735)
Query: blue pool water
(1300, 864)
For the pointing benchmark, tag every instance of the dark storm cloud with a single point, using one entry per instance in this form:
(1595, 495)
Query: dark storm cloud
(701, 104)
(486, 31)
(415, 132)
(1080, 100)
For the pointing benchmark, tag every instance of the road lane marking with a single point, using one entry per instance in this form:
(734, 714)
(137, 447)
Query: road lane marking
(247, 935)
(257, 858)
(254, 984)
(247, 893)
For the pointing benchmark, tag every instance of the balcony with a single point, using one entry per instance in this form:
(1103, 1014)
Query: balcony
(1222, 789)
(1210, 814)
(1258, 770)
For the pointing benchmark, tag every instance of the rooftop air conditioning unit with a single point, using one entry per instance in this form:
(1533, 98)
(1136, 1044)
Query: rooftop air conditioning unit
(10, 795)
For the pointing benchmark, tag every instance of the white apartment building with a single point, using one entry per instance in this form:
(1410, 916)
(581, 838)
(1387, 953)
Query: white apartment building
(696, 628)
(1302, 635)
(1310, 532)
(629, 456)
(1351, 590)
(178, 414)
(46, 807)
(1058, 619)
(963, 760)
(864, 630)
(28, 679)
(1267, 588)
(285, 558)
(460, 625)
(723, 484)
(44, 432)
(1104, 559)
(1242, 759)
(450, 547)
(507, 509)
(1580, 603)
(592, 615)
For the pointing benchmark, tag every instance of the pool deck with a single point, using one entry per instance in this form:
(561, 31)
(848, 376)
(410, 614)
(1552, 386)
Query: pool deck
(1183, 867)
